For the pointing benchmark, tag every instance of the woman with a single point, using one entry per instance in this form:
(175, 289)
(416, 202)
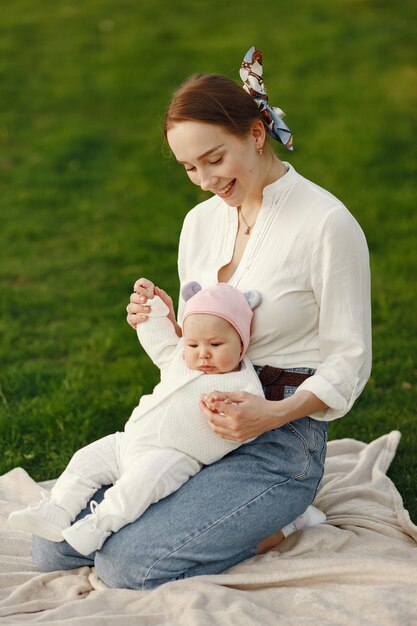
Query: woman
(266, 228)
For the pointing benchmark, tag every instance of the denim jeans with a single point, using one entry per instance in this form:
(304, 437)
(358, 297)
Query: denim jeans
(216, 519)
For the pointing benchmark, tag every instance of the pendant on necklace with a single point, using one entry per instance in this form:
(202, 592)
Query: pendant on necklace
(247, 231)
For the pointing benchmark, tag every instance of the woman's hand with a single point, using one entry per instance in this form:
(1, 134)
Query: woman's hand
(240, 415)
(236, 416)
(138, 309)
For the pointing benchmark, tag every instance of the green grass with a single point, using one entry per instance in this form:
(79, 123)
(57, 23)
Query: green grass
(89, 199)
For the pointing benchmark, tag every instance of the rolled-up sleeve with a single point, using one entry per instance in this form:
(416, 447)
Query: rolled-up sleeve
(340, 278)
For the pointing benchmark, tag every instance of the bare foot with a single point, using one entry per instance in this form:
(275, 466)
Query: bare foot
(270, 542)
(310, 517)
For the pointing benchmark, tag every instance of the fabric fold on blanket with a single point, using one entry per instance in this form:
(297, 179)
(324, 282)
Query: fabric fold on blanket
(360, 567)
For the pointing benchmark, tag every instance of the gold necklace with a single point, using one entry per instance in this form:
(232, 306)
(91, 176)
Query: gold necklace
(248, 228)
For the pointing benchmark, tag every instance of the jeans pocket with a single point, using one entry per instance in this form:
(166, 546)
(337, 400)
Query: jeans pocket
(306, 431)
(299, 448)
(312, 435)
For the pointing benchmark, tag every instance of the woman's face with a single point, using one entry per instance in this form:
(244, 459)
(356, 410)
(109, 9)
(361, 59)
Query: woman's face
(217, 161)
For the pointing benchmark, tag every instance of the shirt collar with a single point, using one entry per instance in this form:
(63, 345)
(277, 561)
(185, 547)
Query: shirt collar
(282, 182)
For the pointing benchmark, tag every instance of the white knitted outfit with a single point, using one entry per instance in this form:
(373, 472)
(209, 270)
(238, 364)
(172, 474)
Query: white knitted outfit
(166, 440)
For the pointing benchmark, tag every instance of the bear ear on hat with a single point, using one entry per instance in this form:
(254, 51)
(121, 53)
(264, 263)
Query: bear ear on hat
(190, 289)
(254, 298)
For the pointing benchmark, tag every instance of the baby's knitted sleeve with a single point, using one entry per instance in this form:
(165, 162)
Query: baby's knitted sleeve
(157, 335)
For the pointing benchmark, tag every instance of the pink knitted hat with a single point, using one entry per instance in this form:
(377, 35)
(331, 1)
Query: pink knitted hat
(224, 301)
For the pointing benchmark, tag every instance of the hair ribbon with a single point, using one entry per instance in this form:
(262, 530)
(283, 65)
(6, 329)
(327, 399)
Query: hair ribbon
(251, 73)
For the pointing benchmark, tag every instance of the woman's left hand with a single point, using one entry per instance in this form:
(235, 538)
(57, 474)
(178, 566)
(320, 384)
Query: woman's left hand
(236, 416)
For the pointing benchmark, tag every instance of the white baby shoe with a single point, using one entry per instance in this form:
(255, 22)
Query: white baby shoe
(45, 519)
(86, 536)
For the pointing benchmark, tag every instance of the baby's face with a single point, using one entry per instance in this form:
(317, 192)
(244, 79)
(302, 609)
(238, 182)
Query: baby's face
(211, 344)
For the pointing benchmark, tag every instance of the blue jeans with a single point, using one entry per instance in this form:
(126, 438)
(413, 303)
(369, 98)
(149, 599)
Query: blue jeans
(216, 519)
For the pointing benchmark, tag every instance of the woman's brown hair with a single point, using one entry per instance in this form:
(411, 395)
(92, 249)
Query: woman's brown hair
(214, 99)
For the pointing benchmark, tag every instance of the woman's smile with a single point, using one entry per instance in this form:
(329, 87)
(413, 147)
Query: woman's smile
(227, 191)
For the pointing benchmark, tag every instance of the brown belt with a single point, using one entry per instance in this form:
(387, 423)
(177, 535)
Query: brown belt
(275, 379)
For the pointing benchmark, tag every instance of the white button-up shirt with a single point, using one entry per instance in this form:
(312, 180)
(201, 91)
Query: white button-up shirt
(308, 257)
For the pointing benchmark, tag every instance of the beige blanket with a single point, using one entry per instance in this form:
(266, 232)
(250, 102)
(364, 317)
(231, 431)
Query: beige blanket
(360, 567)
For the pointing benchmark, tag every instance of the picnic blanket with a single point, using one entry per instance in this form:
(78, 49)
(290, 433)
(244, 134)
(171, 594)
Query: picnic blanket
(360, 567)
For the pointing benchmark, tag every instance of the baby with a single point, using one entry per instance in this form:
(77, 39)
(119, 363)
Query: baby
(167, 438)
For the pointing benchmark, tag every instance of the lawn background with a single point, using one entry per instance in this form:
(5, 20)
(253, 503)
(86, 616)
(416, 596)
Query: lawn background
(90, 199)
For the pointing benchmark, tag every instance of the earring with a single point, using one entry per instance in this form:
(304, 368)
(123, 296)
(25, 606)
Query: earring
(260, 150)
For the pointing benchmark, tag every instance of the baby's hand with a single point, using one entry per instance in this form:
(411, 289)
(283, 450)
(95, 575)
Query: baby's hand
(144, 288)
(212, 399)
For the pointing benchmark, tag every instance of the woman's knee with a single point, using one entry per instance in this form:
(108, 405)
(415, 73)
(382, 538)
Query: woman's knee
(46, 555)
(51, 556)
(118, 569)
(145, 554)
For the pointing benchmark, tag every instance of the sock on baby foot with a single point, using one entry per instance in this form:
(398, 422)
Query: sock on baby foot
(311, 517)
